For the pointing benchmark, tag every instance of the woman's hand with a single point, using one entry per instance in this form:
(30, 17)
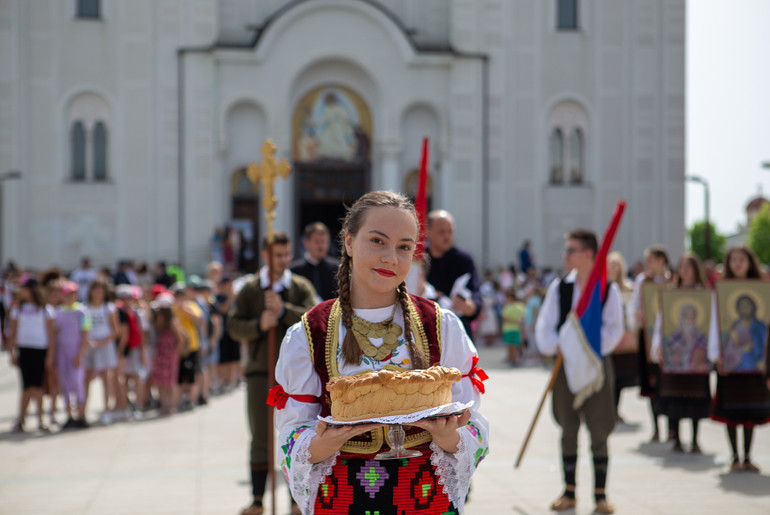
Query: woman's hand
(444, 429)
(329, 439)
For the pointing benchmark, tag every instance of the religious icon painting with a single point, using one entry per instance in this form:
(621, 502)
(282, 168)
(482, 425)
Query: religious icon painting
(332, 123)
(743, 309)
(650, 308)
(685, 323)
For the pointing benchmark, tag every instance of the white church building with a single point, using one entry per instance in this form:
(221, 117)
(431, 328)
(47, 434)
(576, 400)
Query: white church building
(132, 122)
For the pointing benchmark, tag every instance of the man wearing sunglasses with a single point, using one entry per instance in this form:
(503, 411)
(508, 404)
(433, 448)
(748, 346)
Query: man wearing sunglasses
(598, 410)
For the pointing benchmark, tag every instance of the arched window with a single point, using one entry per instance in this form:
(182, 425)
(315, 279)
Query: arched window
(567, 125)
(100, 151)
(88, 152)
(557, 152)
(78, 143)
(576, 157)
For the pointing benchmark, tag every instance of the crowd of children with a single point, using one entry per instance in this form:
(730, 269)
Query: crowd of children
(155, 349)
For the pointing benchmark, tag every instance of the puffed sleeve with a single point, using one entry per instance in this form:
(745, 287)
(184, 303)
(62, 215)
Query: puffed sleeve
(655, 346)
(546, 334)
(636, 303)
(612, 320)
(713, 345)
(455, 469)
(295, 423)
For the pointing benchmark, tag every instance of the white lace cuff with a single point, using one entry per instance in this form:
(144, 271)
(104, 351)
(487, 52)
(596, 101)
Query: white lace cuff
(304, 477)
(454, 470)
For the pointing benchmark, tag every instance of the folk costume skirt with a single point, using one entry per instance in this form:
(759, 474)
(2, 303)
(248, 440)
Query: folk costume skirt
(741, 399)
(389, 487)
(685, 396)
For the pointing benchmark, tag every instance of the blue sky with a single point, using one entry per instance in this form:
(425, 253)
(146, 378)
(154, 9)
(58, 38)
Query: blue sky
(728, 106)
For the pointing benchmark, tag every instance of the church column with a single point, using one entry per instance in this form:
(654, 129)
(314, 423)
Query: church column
(389, 179)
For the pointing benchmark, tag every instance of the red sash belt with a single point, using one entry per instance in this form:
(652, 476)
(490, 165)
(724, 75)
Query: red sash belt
(278, 397)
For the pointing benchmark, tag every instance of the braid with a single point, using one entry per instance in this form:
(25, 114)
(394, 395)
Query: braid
(418, 358)
(351, 352)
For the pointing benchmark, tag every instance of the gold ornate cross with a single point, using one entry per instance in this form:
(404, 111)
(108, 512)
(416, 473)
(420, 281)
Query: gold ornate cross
(267, 173)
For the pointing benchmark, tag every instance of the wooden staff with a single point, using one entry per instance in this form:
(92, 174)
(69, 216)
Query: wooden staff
(267, 173)
(554, 372)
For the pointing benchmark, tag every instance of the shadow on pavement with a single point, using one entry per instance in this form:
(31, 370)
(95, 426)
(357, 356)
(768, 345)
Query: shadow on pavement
(680, 460)
(745, 483)
(627, 427)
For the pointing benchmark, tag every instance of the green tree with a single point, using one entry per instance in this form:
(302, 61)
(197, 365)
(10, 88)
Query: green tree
(758, 238)
(717, 242)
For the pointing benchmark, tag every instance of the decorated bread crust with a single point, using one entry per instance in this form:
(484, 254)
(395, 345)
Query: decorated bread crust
(386, 393)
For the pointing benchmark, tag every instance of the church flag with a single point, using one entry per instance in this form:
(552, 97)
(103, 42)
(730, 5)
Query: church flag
(421, 200)
(421, 206)
(580, 337)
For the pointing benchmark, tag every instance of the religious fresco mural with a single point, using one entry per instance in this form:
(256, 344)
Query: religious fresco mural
(332, 124)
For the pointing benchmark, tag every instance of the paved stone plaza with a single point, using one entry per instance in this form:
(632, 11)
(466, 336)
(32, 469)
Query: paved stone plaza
(195, 462)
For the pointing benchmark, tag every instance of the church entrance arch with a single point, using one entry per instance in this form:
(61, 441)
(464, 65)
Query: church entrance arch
(241, 250)
(331, 150)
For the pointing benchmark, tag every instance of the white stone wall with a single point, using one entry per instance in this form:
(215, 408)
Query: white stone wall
(624, 68)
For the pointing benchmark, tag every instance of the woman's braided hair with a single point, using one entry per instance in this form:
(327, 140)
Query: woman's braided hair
(354, 219)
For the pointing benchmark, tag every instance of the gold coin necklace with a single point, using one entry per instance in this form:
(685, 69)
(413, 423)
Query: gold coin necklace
(387, 330)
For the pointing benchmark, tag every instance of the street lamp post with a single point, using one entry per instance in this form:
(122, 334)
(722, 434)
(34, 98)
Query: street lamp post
(6, 176)
(707, 238)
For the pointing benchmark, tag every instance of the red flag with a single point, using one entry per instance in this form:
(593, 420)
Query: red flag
(420, 201)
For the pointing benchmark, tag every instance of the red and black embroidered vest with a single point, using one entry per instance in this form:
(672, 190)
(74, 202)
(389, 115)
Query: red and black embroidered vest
(322, 324)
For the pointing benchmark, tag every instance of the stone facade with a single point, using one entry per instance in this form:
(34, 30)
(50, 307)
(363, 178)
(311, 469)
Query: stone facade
(534, 130)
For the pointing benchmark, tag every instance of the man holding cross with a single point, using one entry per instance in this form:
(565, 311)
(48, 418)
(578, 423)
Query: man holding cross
(257, 309)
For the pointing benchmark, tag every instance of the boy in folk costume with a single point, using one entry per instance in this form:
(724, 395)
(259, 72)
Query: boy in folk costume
(597, 409)
(331, 469)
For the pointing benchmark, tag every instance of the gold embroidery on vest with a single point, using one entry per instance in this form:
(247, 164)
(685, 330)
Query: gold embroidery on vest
(308, 334)
(379, 435)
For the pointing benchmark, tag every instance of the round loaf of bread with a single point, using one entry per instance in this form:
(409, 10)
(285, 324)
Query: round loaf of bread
(386, 393)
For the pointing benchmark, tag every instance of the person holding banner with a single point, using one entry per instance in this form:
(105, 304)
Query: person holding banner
(742, 398)
(684, 395)
(583, 388)
(331, 468)
(257, 309)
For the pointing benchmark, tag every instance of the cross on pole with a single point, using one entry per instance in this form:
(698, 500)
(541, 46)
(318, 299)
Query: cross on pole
(267, 173)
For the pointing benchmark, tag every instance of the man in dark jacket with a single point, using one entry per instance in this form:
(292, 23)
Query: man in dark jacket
(258, 309)
(447, 264)
(315, 265)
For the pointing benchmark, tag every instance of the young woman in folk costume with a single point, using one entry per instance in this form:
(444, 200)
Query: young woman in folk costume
(742, 399)
(684, 395)
(375, 324)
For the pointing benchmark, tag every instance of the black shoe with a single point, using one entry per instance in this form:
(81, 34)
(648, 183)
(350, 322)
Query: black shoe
(18, 427)
(677, 447)
(83, 423)
(202, 401)
(70, 424)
